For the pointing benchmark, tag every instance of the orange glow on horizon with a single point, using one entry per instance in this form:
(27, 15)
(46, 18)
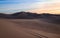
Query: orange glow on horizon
(45, 11)
(52, 8)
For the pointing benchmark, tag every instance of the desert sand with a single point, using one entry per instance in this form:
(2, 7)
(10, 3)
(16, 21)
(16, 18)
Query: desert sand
(28, 28)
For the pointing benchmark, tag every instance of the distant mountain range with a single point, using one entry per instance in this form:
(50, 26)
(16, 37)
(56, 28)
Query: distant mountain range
(29, 15)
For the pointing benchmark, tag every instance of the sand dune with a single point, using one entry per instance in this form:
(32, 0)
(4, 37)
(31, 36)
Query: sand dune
(28, 28)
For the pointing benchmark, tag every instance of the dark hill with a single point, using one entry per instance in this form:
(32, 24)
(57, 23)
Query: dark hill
(54, 18)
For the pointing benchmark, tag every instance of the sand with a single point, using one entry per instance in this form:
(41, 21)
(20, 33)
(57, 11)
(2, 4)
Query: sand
(28, 28)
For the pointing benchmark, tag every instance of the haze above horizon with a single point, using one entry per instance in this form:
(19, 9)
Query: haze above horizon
(38, 6)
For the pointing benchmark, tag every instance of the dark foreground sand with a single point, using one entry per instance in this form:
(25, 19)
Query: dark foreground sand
(28, 28)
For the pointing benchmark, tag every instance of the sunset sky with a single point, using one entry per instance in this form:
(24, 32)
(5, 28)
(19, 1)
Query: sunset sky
(38, 6)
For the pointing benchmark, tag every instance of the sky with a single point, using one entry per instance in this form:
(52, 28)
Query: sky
(35, 6)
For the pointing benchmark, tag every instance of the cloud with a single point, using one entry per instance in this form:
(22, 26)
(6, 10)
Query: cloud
(41, 6)
(53, 8)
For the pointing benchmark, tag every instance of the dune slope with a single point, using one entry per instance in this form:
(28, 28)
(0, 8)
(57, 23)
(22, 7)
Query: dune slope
(24, 28)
